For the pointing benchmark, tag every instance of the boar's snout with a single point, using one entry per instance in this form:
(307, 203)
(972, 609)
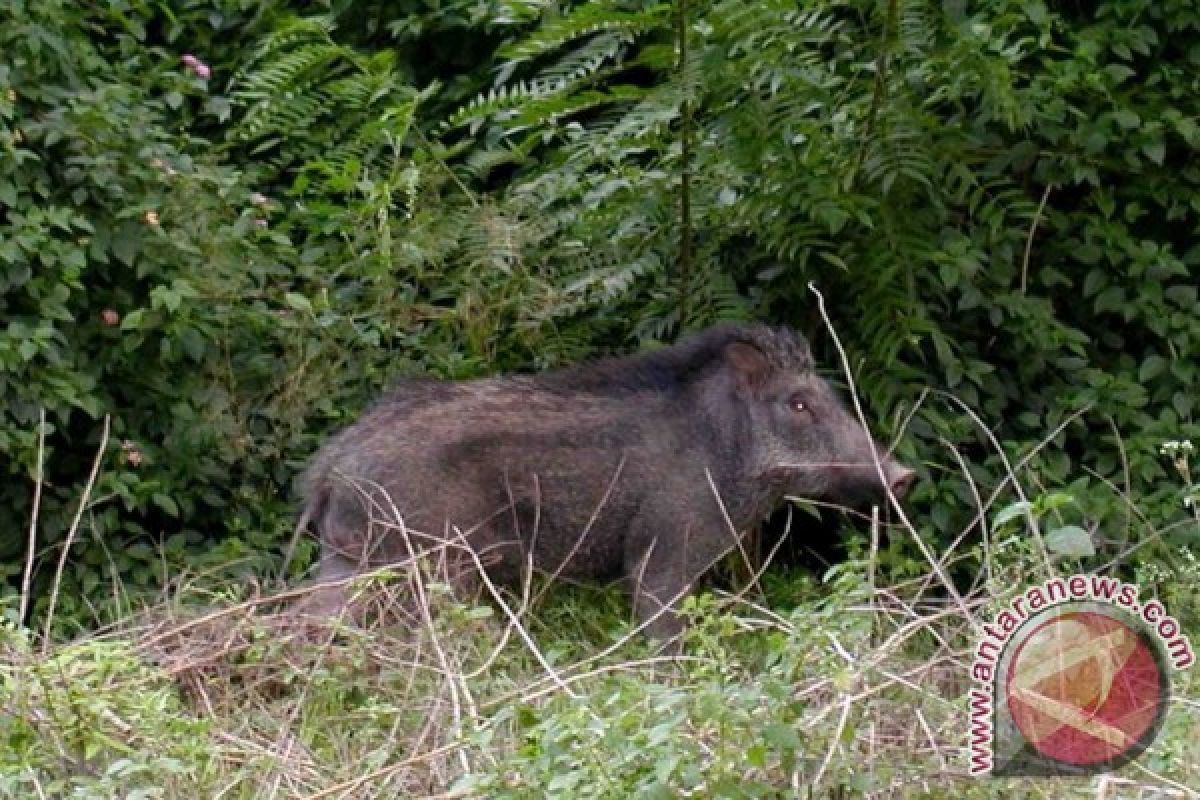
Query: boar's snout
(857, 483)
(864, 480)
(900, 478)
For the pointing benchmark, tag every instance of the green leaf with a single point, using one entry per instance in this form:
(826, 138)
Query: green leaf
(1119, 72)
(165, 503)
(219, 107)
(1070, 540)
(834, 259)
(781, 736)
(1151, 368)
(526, 717)
(127, 243)
(1094, 281)
(1009, 513)
(1155, 151)
(1183, 403)
(1127, 119)
(165, 297)
(656, 791)
(133, 320)
(1111, 299)
(298, 302)
(1052, 501)
(1183, 296)
(948, 272)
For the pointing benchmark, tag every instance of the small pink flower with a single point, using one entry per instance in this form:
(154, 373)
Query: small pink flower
(162, 166)
(133, 456)
(110, 317)
(196, 66)
(262, 223)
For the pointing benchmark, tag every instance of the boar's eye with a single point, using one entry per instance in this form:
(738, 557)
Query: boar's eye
(797, 404)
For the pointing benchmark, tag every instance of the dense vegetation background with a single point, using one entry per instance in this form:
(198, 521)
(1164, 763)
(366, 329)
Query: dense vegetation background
(226, 224)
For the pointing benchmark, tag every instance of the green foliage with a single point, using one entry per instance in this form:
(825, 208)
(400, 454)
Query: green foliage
(144, 281)
(301, 90)
(94, 721)
(227, 256)
(997, 204)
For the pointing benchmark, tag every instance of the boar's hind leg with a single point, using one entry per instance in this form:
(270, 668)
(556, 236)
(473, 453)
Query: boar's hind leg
(335, 566)
(341, 529)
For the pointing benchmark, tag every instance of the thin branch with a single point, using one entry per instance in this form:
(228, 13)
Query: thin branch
(27, 578)
(429, 148)
(833, 742)
(880, 89)
(895, 503)
(62, 558)
(1037, 216)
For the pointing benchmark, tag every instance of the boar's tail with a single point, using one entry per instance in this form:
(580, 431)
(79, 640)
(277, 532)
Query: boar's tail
(314, 507)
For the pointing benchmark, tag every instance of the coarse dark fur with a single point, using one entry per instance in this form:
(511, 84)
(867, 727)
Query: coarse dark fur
(645, 468)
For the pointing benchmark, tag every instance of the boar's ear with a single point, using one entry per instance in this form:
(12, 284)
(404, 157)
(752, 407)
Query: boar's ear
(750, 367)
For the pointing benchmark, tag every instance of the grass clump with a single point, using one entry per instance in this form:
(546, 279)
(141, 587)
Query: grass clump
(858, 689)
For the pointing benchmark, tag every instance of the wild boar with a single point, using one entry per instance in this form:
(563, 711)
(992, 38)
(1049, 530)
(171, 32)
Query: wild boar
(645, 468)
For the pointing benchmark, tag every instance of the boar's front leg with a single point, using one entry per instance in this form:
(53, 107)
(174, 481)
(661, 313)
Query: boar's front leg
(663, 560)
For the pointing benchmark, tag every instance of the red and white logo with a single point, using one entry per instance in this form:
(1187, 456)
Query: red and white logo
(1074, 679)
(1084, 688)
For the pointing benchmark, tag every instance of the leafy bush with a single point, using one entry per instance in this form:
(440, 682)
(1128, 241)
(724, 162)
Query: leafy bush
(224, 225)
(94, 721)
(997, 203)
(142, 280)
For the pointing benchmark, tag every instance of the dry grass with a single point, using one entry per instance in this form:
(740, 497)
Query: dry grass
(409, 691)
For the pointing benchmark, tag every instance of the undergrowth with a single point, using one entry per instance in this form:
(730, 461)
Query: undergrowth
(853, 685)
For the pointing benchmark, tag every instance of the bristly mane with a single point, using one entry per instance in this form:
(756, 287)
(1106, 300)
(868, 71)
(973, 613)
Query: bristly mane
(673, 367)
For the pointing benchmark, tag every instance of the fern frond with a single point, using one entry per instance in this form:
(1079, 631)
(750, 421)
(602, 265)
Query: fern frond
(584, 62)
(300, 82)
(289, 33)
(585, 20)
(494, 101)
